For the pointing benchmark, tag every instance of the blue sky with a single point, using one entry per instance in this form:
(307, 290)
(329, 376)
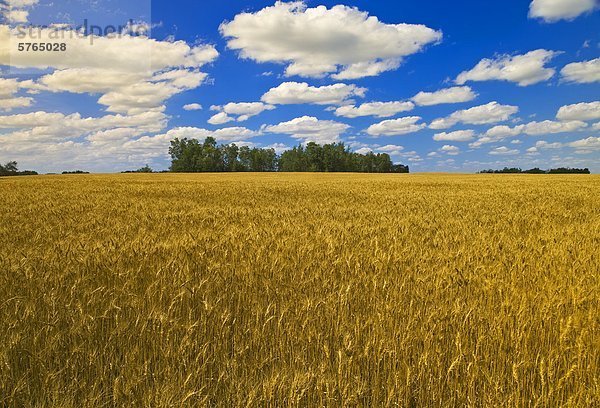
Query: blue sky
(441, 86)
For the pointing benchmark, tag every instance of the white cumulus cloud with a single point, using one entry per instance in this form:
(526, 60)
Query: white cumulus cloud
(580, 111)
(395, 127)
(240, 111)
(492, 112)
(550, 127)
(226, 135)
(455, 94)
(8, 98)
(220, 118)
(584, 72)
(310, 129)
(526, 69)
(289, 93)
(554, 10)
(502, 131)
(53, 140)
(450, 150)
(192, 107)
(16, 11)
(585, 146)
(544, 145)
(343, 41)
(546, 127)
(132, 74)
(456, 136)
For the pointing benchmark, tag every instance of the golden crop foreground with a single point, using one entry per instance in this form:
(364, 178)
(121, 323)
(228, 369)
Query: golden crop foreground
(300, 290)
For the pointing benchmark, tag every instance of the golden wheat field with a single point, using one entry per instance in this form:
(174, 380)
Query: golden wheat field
(288, 290)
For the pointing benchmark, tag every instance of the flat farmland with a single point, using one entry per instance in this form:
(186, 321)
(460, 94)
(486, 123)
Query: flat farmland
(168, 290)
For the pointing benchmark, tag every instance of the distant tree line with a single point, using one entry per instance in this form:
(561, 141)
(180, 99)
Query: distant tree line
(336, 157)
(11, 169)
(516, 170)
(190, 156)
(76, 172)
(145, 169)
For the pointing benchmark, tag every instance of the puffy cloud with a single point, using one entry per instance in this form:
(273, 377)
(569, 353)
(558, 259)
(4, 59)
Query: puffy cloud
(554, 10)
(110, 149)
(8, 87)
(124, 92)
(246, 108)
(289, 93)
(123, 53)
(378, 109)
(543, 145)
(222, 135)
(456, 136)
(343, 42)
(16, 16)
(579, 111)
(527, 69)
(89, 80)
(30, 120)
(133, 74)
(498, 133)
(144, 96)
(240, 111)
(52, 141)
(8, 98)
(192, 107)
(584, 72)
(550, 127)
(449, 95)
(503, 151)
(502, 131)
(483, 140)
(415, 159)
(395, 127)
(398, 152)
(492, 112)
(15, 11)
(367, 69)
(584, 146)
(110, 136)
(180, 78)
(74, 124)
(310, 129)
(220, 118)
(450, 150)
(8, 104)
(391, 149)
(74, 155)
